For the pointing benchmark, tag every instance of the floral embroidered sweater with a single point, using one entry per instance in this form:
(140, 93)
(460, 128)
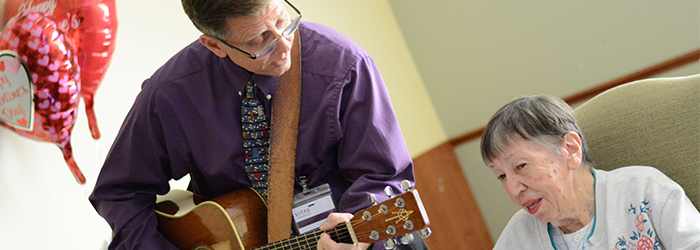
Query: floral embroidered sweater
(637, 208)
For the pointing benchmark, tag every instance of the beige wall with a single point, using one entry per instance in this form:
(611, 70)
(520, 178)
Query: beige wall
(475, 56)
(371, 24)
(42, 207)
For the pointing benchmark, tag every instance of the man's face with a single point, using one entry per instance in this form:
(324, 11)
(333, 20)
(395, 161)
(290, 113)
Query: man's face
(249, 34)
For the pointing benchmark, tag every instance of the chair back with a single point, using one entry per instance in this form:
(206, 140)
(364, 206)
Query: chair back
(652, 122)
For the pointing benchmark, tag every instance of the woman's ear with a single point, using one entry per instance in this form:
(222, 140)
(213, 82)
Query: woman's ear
(574, 150)
(213, 45)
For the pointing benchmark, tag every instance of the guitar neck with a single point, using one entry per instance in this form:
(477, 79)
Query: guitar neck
(180, 221)
(310, 240)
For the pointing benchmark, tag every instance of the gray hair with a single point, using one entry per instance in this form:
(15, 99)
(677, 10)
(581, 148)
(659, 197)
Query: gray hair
(211, 16)
(543, 119)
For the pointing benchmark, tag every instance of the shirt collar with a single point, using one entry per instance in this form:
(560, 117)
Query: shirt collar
(239, 76)
(266, 84)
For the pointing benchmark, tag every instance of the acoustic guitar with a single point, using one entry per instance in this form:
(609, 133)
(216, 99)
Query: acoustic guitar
(238, 221)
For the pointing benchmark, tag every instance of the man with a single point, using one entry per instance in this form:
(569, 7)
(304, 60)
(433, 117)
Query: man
(188, 119)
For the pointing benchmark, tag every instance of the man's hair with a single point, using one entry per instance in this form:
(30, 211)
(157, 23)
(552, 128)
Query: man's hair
(210, 16)
(543, 119)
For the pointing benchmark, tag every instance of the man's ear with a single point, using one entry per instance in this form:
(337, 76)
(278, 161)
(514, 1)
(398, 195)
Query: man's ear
(574, 150)
(213, 45)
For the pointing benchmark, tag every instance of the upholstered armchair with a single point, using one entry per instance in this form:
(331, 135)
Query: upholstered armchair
(653, 122)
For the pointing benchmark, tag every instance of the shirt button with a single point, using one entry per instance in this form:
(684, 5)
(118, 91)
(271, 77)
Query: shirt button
(577, 237)
(269, 96)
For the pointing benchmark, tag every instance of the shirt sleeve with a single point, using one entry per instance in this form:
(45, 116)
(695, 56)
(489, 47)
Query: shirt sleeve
(372, 153)
(679, 222)
(130, 178)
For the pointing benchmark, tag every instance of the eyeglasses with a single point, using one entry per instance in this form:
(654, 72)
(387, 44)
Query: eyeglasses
(271, 46)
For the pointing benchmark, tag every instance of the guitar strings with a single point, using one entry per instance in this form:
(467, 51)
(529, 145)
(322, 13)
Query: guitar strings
(310, 240)
(365, 234)
(360, 223)
(340, 233)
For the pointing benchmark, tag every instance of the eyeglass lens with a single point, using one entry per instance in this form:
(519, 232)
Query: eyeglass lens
(288, 31)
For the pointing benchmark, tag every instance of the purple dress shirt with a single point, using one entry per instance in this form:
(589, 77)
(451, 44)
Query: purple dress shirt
(186, 120)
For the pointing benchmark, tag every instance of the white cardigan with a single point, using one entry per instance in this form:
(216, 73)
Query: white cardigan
(668, 218)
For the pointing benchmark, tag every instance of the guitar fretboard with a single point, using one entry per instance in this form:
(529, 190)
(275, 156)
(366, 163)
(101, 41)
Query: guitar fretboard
(309, 240)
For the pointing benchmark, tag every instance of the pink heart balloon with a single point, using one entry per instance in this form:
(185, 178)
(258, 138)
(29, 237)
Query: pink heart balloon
(54, 110)
(92, 27)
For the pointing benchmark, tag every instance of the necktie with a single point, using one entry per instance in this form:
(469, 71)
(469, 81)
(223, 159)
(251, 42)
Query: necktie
(256, 139)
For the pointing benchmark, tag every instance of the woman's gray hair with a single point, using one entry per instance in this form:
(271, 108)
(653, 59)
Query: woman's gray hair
(543, 119)
(211, 16)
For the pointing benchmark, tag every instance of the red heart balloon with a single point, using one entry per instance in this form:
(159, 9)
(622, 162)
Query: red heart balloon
(52, 67)
(92, 26)
(94, 38)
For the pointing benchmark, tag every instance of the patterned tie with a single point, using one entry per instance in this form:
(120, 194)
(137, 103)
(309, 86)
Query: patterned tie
(256, 139)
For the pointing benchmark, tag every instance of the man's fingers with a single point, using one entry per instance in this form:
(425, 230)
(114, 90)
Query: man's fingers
(325, 242)
(334, 219)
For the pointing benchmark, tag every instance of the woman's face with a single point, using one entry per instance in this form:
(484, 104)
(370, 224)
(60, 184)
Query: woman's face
(537, 179)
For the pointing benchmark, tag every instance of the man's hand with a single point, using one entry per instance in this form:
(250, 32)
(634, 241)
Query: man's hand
(326, 243)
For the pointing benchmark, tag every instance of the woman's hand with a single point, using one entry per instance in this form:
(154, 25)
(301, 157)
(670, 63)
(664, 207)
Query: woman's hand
(326, 243)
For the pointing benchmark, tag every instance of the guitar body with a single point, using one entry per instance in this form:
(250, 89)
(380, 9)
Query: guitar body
(238, 221)
(235, 221)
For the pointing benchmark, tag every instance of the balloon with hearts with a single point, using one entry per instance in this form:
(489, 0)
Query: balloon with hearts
(92, 26)
(40, 82)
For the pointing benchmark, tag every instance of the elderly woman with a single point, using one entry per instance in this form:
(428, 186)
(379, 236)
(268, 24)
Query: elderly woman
(535, 148)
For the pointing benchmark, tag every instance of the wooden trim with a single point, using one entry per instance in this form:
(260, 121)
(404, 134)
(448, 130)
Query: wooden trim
(657, 69)
(454, 214)
(472, 135)
(660, 68)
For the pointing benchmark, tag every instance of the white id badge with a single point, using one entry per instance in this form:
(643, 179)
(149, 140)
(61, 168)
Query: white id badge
(311, 208)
